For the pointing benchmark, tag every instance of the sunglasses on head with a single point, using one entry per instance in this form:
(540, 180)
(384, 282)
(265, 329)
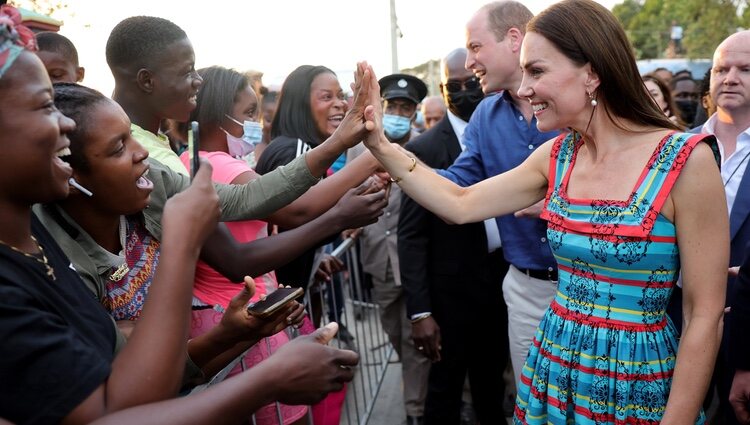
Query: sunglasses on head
(454, 86)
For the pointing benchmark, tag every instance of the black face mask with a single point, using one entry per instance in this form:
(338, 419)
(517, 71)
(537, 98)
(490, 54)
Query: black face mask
(687, 110)
(464, 102)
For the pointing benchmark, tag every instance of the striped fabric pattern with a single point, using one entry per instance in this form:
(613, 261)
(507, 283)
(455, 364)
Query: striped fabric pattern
(605, 350)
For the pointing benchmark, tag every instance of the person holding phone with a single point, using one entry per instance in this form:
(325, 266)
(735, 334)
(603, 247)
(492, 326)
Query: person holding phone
(117, 250)
(227, 112)
(58, 361)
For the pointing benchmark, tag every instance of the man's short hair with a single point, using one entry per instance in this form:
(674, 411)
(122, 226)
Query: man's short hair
(49, 41)
(137, 41)
(507, 14)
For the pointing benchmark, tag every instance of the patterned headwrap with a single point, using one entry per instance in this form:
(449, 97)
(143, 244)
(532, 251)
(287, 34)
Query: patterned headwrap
(14, 37)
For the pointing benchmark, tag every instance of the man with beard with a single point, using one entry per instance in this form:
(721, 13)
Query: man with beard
(449, 275)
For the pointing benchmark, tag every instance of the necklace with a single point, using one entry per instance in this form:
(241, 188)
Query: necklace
(123, 269)
(43, 260)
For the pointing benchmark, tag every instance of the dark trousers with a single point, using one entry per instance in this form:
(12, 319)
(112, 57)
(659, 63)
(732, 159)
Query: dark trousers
(473, 320)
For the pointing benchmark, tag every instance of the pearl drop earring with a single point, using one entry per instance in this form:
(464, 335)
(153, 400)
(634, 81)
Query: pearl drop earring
(593, 100)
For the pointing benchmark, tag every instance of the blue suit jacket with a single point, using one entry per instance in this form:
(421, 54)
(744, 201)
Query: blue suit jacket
(739, 225)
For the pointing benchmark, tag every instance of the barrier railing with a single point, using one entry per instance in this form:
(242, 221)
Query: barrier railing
(348, 301)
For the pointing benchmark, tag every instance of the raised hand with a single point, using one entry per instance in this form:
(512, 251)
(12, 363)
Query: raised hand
(358, 120)
(374, 115)
(309, 369)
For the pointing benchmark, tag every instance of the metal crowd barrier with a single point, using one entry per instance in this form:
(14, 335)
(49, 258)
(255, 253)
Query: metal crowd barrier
(357, 312)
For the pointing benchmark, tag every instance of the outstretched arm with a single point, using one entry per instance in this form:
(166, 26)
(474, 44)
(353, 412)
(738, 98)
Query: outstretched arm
(701, 218)
(322, 196)
(301, 372)
(234, 260)
(503, 194)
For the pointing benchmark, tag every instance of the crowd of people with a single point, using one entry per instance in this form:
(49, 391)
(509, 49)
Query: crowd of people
(558, 213)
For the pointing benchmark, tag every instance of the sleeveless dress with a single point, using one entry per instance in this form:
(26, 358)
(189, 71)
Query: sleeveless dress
(605, 350)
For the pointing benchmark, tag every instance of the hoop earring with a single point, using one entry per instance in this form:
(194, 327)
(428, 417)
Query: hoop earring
(593, 100)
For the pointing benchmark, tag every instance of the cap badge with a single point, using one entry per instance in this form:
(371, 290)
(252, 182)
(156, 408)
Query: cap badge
(402, 83)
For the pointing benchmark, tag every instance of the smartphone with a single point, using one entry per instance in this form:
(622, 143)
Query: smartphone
(388, 190)
(193, 147)
(273, 301)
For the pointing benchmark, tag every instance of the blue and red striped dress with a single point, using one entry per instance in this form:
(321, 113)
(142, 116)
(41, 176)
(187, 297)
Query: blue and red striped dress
(605, 350)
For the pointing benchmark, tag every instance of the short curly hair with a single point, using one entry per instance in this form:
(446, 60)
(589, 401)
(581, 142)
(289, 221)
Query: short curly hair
(136, 42)
(49, 41)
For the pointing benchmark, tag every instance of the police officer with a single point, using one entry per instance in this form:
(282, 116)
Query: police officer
(401, 94)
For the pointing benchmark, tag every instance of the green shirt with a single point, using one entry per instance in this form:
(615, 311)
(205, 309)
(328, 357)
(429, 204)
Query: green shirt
(255, 199)
(158, 148)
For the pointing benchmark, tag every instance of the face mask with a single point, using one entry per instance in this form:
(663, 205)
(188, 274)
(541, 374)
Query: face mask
(252, 133)
(419, 120)
(464, 102)
(396, 126)
(687, 110)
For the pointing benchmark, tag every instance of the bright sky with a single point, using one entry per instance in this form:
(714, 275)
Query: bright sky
(276, 36)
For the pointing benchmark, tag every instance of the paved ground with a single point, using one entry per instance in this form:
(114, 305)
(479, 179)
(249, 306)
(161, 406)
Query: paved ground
(389, 406)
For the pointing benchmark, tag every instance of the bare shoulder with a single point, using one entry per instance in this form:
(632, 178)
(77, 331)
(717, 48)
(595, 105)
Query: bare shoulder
(701, 162)
(699, 183)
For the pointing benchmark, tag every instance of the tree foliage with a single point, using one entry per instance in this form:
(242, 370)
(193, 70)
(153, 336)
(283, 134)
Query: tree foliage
(53, 8)
(705, 22)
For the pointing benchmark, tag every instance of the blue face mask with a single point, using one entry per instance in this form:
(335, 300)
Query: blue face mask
(252, 134)
(396, 126)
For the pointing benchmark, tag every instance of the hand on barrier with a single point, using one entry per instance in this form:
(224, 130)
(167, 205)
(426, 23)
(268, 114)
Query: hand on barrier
(309, 369)
(327, 267)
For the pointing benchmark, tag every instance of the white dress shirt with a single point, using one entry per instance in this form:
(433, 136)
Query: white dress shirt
(732, 167)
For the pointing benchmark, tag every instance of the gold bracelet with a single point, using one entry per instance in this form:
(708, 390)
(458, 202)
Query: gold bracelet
(413, 166)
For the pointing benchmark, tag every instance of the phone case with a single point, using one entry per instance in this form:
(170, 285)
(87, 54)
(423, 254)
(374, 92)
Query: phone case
(273, 301)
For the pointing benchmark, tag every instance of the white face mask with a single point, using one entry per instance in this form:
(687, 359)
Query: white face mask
(252, 134)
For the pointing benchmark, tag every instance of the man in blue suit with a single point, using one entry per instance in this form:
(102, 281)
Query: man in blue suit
(730, 91)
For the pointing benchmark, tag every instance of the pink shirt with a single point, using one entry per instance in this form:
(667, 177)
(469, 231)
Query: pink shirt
(210, 286)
